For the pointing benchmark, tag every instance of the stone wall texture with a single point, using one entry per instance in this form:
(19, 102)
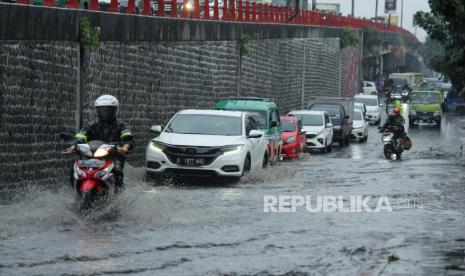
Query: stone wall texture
(37, 102)
(153, 80)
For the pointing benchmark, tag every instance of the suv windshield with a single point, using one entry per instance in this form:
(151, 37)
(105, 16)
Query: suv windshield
(358, 115)
(310, 119)
(331, 109)
(420, 98)
(288, 126)
(367, 101)
(205, 125)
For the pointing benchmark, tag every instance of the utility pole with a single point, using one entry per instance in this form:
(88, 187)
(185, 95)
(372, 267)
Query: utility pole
(353, 14)
(376, 10)
(402, 13)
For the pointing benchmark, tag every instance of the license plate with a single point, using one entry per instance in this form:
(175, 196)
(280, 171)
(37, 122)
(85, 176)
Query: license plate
(91, 163)
(190, 161)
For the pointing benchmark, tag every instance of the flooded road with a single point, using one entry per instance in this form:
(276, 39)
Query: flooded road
(221, 229)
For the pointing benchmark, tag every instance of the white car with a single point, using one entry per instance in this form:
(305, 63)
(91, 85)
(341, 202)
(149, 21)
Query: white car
(360, 127)
(369, 88)
(373, 109)
(207, 143)
(318, 128)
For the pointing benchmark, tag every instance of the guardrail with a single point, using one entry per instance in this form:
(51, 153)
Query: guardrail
(223, 10)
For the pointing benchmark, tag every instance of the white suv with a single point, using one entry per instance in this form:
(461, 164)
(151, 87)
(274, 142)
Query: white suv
(369, 88)
(371, 102)
(207, 143)
(318, 128)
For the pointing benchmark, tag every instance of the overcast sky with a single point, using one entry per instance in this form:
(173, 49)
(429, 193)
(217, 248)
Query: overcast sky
(366, 8)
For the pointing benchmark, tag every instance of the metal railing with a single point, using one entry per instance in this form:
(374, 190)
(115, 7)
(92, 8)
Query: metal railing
(224, 10)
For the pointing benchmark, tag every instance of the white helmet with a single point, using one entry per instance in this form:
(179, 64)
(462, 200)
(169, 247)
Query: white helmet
(107, 100)
(106, 107)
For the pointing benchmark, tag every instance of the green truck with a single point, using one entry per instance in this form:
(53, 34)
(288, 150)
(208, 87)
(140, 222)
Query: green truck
(426, 106)
(266, 114)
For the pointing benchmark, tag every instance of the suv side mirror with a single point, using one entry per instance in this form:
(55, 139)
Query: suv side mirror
(274, 124)
(254, 133)
(156, 129)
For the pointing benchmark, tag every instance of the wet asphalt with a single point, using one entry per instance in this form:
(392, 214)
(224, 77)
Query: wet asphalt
(215, 228)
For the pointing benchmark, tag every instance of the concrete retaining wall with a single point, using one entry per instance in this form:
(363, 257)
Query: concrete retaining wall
(153, 80)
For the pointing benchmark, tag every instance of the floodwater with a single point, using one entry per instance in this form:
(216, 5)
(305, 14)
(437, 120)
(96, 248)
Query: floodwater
(212, 228)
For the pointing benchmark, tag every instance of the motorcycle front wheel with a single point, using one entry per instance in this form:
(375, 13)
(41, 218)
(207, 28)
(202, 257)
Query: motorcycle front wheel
(388, 151)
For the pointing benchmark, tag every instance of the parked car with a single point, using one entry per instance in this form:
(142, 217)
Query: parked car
(265, 112)
(207, 143)
(369, 88)
(294, 139)
(373, 107)
(318, 129)
(340, 111)
(426, 106)
(360, 127)
(454, 102)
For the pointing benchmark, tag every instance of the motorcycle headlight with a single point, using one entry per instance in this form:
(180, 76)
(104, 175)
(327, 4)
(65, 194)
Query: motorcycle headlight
(388, 137)
(231, 149)
(101, 152)
(158, 146)
(291, 139)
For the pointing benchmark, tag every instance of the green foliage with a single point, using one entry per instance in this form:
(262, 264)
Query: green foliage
(433, 54)
(371, 40)
(348, 38)
(444, 24)
(89, 36)
(244, 45)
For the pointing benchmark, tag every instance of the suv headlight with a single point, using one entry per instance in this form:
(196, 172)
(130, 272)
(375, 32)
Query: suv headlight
(231, 149)
(158, 146)
(291, 139)
(101, 152)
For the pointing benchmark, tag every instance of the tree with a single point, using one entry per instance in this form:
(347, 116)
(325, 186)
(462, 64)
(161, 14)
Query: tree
(445, 24)
(348, 38)
(371, 40)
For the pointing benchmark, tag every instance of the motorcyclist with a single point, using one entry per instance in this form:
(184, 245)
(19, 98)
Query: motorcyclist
(389, 100)
(398, 105)
(394, 124)
(108, 129)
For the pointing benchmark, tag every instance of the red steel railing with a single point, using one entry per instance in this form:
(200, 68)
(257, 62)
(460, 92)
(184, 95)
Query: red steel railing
(232, 10)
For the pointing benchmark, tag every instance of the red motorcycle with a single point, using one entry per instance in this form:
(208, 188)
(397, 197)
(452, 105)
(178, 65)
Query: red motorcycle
(93, 179)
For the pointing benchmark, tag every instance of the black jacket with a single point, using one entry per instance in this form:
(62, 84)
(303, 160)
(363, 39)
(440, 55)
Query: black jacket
(116, 132)
(396, 123)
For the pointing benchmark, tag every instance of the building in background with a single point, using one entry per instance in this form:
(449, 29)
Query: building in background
(328, 7)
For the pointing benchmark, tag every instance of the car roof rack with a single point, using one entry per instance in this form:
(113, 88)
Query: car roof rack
(249, 99)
